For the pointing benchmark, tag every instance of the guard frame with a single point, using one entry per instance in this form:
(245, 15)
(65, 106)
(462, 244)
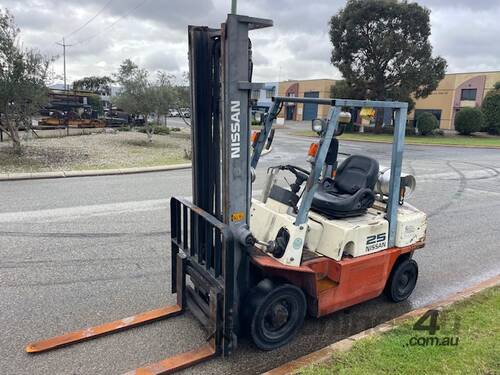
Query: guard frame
(400, 109)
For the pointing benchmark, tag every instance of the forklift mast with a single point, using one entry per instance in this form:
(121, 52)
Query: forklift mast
(220, 77)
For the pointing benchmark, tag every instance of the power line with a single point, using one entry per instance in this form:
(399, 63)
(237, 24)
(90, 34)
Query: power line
(64, 45)
(90, 20)
(109, 27)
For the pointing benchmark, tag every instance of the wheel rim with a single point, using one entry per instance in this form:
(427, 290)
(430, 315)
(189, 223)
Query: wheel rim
(406, 282)
(279, 318)
(276, 316)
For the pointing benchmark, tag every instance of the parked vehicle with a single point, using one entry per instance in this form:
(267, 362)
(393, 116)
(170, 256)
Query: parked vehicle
(116, 117)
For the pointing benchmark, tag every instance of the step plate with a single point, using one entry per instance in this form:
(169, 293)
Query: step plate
(103, 329)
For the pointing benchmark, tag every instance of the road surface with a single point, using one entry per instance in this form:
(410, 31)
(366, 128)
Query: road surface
(82, 251)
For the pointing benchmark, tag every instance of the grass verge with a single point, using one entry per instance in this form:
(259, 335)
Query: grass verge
(474, 322)
(95, 152)
(457, 140)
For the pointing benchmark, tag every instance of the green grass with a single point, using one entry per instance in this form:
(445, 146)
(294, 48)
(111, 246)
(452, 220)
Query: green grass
(477, 352)
(457, 140)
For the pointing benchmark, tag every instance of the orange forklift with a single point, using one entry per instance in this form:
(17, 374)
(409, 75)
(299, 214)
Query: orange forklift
(337, 236)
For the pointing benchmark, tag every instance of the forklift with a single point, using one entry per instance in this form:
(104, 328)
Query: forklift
(335, 237)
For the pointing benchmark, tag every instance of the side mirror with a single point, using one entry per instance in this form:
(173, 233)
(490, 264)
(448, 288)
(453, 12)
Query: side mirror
(318, 125)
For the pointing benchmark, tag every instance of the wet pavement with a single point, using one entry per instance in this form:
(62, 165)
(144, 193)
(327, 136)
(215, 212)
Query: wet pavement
(83, 251)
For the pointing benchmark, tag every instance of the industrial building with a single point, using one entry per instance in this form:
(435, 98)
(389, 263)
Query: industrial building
(455, 91)
(263, 98)
(311, 88)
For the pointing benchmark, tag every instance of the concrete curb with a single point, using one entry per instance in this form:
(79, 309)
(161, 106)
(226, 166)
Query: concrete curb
(325, 354)
(97, 172)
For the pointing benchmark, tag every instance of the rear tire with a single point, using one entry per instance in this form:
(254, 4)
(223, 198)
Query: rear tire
(402, 281)
(275, 313)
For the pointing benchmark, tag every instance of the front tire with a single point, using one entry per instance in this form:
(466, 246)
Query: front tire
(402, 281)
(276, 314)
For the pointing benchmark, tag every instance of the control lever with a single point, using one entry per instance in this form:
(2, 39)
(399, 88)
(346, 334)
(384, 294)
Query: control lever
(268, 246)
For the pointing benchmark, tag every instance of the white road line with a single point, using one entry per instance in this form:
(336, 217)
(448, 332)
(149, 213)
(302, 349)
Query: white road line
(482, 192)
(81, 212)
(454, 175)
(78, 212)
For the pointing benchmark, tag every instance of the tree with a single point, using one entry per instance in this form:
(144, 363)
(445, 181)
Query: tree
(23, 76)
(344, 90)
(427, 123)
(95, 84)
(382, 49)
(138, 96)
(491, 110)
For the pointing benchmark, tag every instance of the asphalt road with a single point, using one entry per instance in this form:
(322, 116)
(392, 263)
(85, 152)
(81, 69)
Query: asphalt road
(82, 251)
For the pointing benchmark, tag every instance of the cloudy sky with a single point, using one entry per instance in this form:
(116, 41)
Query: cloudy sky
(153, 33)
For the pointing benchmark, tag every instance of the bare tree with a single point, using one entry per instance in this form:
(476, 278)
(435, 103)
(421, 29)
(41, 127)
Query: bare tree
(164, 94)
(23, 77)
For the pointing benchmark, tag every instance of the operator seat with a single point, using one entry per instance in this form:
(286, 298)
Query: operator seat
(351, 193)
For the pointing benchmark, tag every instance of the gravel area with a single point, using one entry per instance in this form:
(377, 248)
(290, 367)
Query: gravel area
(95, 151)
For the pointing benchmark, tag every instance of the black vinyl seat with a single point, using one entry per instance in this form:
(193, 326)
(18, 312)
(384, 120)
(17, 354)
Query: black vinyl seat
(351, 193)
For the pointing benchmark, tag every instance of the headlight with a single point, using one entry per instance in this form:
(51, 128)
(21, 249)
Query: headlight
(318, 125)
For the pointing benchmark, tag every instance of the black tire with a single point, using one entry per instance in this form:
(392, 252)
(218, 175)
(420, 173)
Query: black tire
(402, 281)
(274, 313)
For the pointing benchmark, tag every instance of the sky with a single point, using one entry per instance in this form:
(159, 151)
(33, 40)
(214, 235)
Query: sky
(153, 34)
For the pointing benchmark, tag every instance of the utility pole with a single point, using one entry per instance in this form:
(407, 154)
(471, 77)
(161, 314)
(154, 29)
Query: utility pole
(233, 6)
(64, 45)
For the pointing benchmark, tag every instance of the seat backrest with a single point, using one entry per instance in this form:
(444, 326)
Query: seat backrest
(356, 172)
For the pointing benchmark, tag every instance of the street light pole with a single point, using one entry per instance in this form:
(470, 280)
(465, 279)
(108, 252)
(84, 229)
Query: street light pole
(233, 6)
(64, 64)
(64, 45)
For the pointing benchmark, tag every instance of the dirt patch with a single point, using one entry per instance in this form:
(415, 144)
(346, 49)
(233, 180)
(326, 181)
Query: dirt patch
(95, 151)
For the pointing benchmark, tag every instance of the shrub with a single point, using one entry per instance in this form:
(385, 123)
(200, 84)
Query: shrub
(438, 132)
(427, 123)
(388, 129)
(469, 120)
(157, 129)
(175, 129)
(162, 130)
(491, 111)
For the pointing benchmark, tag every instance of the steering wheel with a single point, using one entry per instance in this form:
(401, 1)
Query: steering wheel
(299, 172)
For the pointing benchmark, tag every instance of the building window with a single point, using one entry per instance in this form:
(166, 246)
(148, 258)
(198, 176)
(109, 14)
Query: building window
(255, 94)
(270, 93)
(468, 94)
